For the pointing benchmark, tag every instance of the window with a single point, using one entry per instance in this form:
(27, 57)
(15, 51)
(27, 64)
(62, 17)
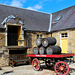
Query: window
(39, 36)
(57, 19)
(64, 35)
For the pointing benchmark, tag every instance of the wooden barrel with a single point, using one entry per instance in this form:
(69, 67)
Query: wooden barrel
(41, 50)
(35, 50)
(48, 41)
(39, 42)
(53, 50)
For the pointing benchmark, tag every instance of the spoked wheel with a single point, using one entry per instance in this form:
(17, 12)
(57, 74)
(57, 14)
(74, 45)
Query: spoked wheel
(61, 68)
(36, 64)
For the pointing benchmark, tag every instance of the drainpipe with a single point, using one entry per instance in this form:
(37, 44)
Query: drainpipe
(50, 23)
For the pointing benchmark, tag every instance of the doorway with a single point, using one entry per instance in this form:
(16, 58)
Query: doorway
(64, 42)
(12, 35)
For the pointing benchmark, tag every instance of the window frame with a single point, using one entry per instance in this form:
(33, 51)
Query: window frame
(39, 36)
(64, 35)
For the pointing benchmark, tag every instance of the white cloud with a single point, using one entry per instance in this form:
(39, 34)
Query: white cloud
(31, 8)
(17, 3)
(35, 7)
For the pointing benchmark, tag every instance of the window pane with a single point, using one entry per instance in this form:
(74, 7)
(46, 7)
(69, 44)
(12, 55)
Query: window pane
(64, 35)
(37, 36)
(41, 36)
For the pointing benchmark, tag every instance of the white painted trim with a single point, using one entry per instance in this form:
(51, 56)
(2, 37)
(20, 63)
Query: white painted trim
(60, 39)
(22, 36)
(6, 35)
(9, 17)
(50, 23)
(6, 41)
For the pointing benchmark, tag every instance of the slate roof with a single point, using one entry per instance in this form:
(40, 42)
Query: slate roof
(36, 21)
(67, 20)
(39, 21)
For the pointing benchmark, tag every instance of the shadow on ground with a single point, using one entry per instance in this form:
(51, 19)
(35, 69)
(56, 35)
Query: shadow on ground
(16, 65)
(72, 70)
(7, 72)
(47, 68)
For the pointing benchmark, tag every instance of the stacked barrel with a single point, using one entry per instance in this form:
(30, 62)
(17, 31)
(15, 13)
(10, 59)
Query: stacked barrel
(46, 46)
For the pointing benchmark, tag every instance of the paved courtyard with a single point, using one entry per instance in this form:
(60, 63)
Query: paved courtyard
(27, 70)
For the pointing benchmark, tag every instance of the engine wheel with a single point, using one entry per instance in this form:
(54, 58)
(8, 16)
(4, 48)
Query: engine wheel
(61, 68)
(36, 64)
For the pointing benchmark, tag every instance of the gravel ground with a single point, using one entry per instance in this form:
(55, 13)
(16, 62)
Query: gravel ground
(27, 70)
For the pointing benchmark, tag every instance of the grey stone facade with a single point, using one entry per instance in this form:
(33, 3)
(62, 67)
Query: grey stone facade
(4, 56)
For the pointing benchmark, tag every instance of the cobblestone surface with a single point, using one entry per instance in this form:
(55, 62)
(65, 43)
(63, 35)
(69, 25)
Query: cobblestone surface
(27, 70)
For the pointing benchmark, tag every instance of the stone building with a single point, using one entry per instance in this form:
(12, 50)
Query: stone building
(63, 29)
(19, 29)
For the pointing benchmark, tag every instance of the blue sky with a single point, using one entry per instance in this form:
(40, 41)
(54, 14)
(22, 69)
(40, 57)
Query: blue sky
(48, 6)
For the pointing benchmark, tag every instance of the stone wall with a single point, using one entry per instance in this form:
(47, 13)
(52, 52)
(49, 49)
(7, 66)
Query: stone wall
(57, 36)
(71, 39)
(4, 53)
(34, 37)
(2, 39)
(4, 56)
